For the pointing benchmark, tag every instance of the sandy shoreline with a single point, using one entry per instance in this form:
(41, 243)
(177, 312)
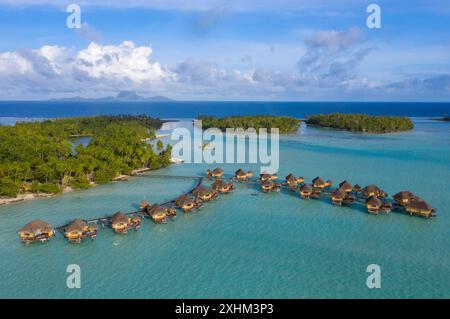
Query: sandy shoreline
(30, 196)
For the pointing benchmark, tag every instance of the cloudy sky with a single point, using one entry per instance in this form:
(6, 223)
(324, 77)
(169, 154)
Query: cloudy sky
(227, 50)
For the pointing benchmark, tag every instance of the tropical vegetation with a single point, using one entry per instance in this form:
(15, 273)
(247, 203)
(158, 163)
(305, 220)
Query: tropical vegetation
(361, 122)
(285, 124)
(40, 157)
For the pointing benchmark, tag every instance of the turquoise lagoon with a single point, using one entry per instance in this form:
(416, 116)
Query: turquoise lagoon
(249, 244)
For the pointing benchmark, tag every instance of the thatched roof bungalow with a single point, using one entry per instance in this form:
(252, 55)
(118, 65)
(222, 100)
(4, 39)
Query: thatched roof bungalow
(420, 208)
(265, 176)
(36, 230)
(217, 172)
(318, 183)
(240, 174)
(404, 197)
(75, 231)
(338, 196)
(291, 181)
(186, 203)
(348, 199)
(373, 190)
(144, 204)
(305, 191)
(267, 185)
(204, 194)
(373, 204)
(346, 186)
(120, 223)
(222, 187)
(157, 214)
(328, 183)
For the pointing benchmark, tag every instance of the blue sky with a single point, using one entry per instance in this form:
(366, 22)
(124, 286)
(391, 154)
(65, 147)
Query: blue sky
(226, 50)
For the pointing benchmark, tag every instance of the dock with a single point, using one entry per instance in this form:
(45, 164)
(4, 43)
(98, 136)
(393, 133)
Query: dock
(326, 192)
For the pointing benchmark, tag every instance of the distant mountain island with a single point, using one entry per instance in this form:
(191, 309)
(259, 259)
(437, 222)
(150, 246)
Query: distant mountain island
(122, 96)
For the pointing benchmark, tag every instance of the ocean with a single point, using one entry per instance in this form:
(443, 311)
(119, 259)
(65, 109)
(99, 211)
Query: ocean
(249, 244)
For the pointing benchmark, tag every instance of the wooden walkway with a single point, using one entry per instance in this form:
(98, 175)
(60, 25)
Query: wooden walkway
(105, 221)
(327, 192)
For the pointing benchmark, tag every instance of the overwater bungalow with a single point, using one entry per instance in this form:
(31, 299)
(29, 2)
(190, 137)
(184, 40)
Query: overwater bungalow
(306, 191)
(204, 194)
(74, 232)
(338, 196)
(144, 204)
(135, 222)
(267, 186)
(276, 187)
(316, 193)
(328, 183)
(356, 188)
(386, 207)
(404, 197)
(373, 190)
(346, 186)
(373, 204)
(318, 183)
(421, 208)
(300, 180)
(37, 230)
(171, 212)
(217, 172)
(348, 199)
(265, 177)
(222, 187)
(157, 214)
(186, 203)
(291, 181)
(240, 175)
(119, 223)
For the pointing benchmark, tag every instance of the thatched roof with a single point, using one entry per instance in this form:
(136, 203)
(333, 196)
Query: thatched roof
(77, 225)
(267, 183)
(420, 205)
(218, 184)
(339, 193)
(374, 201)
(404, 195)
(119, 217)
(156, 209)
(217, 170)
(372, 189)
(184, 200)
(318, 181)
(356, 188)
(240, 172)
(291, 178)
(306, 188)
(144, 204)
(201, 191)
(265, 176)
(36, 226)
(346, 186)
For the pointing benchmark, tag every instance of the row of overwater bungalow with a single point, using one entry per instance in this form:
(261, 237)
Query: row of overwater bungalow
(374, 198)
(120, 222)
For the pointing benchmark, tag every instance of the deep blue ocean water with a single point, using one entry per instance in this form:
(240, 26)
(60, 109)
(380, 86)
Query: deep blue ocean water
(249, 244)
(193, 109)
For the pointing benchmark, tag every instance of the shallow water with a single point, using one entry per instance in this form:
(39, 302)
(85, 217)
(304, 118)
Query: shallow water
(250, 244)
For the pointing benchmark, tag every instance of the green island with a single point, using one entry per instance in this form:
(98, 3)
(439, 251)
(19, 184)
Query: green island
(362, 122)
(285, 124)
(445, 118)
(41, 157)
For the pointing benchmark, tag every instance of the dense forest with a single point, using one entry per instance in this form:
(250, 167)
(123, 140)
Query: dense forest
(362, 122)
(39, 157)
(285, 124)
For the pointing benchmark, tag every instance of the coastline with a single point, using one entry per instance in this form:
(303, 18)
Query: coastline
(31, 196)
